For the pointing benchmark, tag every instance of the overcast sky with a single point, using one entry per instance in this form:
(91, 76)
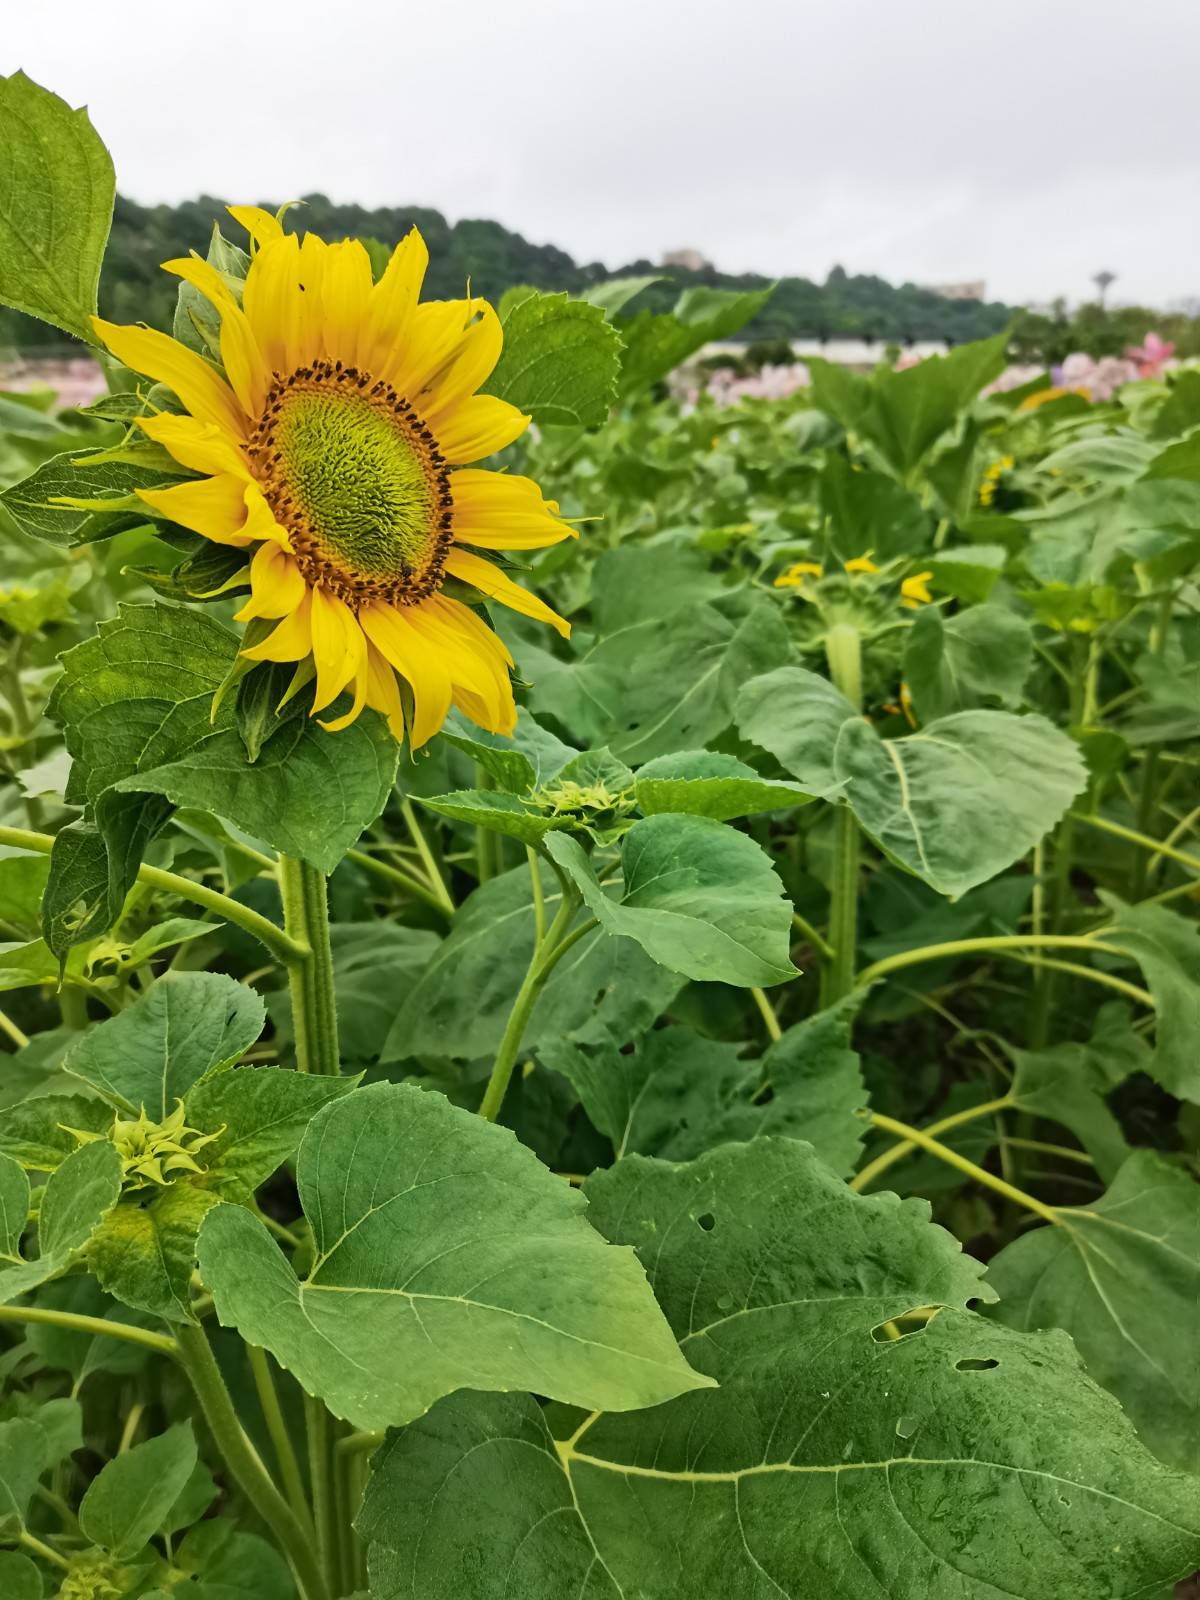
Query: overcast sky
(1030, 143)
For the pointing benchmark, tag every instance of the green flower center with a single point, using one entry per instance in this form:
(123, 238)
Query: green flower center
(353, 473)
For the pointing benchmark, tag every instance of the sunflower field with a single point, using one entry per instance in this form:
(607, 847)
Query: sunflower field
(600, 993)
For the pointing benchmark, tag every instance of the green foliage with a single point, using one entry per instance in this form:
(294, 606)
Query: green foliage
(560, 362)
(131, 1497)
(960, 1460)
(56, 202)
(445, 1257)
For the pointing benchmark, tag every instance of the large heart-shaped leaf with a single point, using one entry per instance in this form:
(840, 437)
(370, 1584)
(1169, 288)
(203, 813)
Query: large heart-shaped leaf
(962, 1462)
(445, 1256)
(1122, 1276)
(700, 898)
(954, 803)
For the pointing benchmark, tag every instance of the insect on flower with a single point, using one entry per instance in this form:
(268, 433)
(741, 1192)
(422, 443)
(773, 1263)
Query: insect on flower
(336, 451)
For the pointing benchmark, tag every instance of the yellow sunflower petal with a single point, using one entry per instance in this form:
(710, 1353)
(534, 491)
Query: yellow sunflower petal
(393, 305)
(478, 672)
(310, 343)
(200, 446)
(240, 354)
(201, 388)
(346, 292)
(262, 226)
(466, 621)
(260, 520)
(361, 682)
(471, 364)
(383, 692)
(276, 585)
(214, 507)
(291, 640)
(271, 300)
(491, 581)
(424, 672)
(499, 511)
(338, 647)
(478, 428)
(481, 713)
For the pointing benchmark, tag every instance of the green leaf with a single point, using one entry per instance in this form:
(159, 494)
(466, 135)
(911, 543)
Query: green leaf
(560, 362)
(647, 583)
(56, 201)
(75, 475)
(144, 1251)
(659, 685)
(528, 758)
(656, 345)
(19, 1578)
(1122, 1276)
(498, 812)
(1167, 948)
(705, 784)
(151, 1054)
(128, 1499)
(446, 1256)
(135, 702)
(677, 1094)
(82, 1354)
(1068, 1082)
(14, 1207)
(223, 1563)
(975, 657)
(700, 898)
(969, 573)
(261, 1113)
(33, 1132)
(964, 1460)
(23, 1459)
(1179, 460)
(74, 1201)
(871, 514)
(953, 804)
(459, 1005)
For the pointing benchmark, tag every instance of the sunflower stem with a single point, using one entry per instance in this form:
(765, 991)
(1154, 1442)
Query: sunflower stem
(314, 1014)
(246, 1469)
(547, 952)
(432, 872)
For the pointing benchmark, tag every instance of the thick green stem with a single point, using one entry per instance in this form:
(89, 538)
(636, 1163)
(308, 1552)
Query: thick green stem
(281, 1443)
(244, 1466)
(314, 1014)
(275, 939)
(30, 1541)
(320, 1478)
(546, 953)
(843, 651)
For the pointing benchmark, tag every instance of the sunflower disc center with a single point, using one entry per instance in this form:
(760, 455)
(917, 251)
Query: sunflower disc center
(355, 476)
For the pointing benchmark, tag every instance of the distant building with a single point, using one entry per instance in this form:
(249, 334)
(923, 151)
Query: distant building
(690, 260)
(976, 289)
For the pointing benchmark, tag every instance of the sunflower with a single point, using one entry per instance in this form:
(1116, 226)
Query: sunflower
(336, 450)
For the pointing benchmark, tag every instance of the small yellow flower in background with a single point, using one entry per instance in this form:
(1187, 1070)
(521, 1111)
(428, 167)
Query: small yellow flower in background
(336, 453)
(914, 591)
(860, 564)
(991, 479)
(794, 576)
(906, 705)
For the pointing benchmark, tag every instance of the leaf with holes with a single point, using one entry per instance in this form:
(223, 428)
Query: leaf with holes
(964, 1460)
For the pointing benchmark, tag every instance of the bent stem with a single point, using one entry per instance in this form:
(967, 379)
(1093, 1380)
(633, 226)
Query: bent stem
(277, 941)
(1142, 840)
(248, 1472)
(314, 1014)
(843, 651)
(98, 1327)
(999, 944)
(917, 1136)
(905, 1147)
(547, 952)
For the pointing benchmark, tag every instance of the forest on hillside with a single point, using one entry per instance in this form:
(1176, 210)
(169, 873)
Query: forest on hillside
(495, 259)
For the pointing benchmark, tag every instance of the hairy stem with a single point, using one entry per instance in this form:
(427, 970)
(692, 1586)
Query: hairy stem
(75, 1322)
(244, 1466)
(314, 1015)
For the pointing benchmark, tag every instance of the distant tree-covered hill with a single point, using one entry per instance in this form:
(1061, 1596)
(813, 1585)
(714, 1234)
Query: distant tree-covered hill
(494, 258)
